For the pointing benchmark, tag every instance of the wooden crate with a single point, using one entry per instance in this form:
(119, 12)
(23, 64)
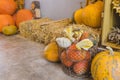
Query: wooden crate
(110, 18)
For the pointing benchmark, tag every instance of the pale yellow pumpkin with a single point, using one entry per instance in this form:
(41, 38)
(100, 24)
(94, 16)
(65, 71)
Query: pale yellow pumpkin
(51, 52)
(106, 66)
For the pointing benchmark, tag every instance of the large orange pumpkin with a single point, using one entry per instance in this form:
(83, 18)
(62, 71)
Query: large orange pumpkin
(5, 20)
(23, 15)
(7, 7)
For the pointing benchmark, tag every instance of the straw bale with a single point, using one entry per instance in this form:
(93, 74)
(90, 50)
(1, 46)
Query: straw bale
(43, 30)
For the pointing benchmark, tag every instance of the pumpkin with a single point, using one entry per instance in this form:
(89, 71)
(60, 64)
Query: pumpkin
(99, 5)
(77, 16)
(106, 65)
(5, 20)
(7, 7)
(90, 15)
(51, 52)
(23, 15)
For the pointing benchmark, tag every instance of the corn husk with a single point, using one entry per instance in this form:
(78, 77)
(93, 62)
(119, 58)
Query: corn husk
(43, 30)
(96, 32)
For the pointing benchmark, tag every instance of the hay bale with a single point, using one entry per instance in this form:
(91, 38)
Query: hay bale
(26, 28)
(43, 30)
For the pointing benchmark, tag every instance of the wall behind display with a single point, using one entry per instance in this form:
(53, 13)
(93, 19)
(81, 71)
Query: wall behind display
(57, 9)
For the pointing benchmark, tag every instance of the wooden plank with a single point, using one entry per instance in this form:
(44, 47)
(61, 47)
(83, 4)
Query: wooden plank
(107, 21)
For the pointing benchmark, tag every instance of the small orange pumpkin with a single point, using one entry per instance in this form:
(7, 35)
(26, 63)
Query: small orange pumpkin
(5, 20)
(23, 15)
(7, 7)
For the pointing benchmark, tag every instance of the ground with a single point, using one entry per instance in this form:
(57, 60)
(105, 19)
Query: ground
(21, 59)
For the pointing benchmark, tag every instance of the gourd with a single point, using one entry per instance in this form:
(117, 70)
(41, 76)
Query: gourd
(7, 7)
(23, 15)
(9, 30)
(51, 52)
(106, 65)
(63, 42)
(5, 20)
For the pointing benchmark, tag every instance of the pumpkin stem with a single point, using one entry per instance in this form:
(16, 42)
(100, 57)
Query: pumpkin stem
(81, 5)
(87, 2)
(111, 50)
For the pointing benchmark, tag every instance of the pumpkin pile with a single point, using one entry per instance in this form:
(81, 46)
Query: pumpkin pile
(90, 15)
(6, 13)
(10, 16)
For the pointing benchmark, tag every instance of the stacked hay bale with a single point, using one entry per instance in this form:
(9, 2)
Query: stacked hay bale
(43, 30)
